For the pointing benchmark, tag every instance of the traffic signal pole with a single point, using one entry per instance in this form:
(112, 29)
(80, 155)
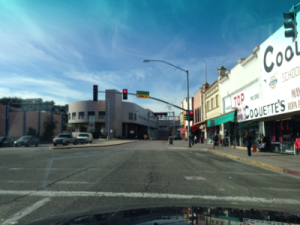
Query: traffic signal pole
(188, 109)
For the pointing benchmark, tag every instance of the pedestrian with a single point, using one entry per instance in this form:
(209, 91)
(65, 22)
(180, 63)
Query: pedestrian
(215, 139)
(249, 141)
(195, 139)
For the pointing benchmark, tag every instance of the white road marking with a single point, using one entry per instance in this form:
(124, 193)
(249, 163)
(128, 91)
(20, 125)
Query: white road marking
(60, 182)
(149, 195)
(195, 178)
(14, 219)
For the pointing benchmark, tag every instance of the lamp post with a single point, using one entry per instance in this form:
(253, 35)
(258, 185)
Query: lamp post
(188, 97)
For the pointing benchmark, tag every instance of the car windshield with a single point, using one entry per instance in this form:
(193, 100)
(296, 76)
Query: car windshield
(155, 102)
(24, 138)
(64, 136)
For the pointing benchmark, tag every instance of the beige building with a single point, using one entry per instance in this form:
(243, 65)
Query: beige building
(211, 106)
(183, 122)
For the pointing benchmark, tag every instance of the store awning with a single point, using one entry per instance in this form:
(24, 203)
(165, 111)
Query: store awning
(221, 119)
(195, 127)
(182, 130)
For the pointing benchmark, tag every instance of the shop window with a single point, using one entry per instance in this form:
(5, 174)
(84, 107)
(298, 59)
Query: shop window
(73, 116)
(131, 116)
(81, 115)
(101, 115)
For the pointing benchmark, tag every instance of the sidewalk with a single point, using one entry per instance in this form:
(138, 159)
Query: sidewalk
(289, 164)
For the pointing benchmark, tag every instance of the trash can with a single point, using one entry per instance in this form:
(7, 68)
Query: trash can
(170, 140)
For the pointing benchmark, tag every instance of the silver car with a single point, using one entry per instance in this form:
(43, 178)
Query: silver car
(84, 138)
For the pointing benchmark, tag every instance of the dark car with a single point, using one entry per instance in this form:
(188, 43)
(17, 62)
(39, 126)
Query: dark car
(6, 142)
(27, 141)
(64, 139)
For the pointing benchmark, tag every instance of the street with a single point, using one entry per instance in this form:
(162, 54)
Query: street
(37, 182)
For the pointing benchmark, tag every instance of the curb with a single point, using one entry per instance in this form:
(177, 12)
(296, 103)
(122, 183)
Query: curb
(91, 146)
(262, 165)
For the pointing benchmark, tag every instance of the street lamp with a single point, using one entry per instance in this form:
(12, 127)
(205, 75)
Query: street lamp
(188, 97)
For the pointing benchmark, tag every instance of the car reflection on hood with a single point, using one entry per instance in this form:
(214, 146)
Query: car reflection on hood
(176, 215)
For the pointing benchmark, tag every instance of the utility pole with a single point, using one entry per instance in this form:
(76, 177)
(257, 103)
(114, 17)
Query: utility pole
(108, 119)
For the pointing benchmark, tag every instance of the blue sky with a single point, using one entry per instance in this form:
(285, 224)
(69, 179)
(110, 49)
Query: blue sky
(56, 50)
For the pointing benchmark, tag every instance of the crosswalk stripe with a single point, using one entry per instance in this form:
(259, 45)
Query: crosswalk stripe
(14, 219)
(149, 195)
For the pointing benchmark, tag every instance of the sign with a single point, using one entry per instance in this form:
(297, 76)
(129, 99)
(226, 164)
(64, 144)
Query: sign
(111, 131)
(145, 136)
(280, 72)
(92, 122)
(212, 123)
(132, 131)
(142, 94)
(174, 131)
(241, 98)
(160, 114)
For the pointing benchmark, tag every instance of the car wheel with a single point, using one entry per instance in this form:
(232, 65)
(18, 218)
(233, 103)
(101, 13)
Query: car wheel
(91, 142)
(74, 143)
(27, 145)
(36, 144)
(54, 144)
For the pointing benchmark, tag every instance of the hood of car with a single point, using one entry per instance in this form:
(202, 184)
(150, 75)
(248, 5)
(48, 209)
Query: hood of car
(60, 138)
(171, 214)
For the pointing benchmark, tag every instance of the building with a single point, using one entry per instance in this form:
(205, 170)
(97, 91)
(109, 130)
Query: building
(197, 128)
(15, 123)
(279, 105)
(112, 116)
(239, 87)
(183, 122)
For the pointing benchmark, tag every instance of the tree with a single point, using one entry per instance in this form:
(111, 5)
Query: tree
(49, 126)
(31, 131)
(6, 100)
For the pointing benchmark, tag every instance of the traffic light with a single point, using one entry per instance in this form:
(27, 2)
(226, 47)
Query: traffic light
(186, 116)
(291, 24)
(191, 115)
(95, 93)
(125, 94)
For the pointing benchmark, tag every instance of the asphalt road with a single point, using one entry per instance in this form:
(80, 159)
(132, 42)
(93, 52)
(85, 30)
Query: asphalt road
(36, 182)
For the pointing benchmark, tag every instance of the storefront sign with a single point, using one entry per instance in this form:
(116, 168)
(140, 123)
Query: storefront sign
(242, 97)
(280, 73)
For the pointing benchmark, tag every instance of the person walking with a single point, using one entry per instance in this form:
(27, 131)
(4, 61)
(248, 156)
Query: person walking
(215, 139)
(195, 139)
(249, 141)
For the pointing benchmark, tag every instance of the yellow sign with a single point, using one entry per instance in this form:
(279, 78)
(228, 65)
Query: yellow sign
(142, 96)
(174, 131)
(145, 136)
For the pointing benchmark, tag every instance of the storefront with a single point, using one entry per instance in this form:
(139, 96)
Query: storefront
(279, 106)
(215, 125)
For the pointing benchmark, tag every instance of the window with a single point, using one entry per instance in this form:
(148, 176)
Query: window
(81, 115)
(207, 106)
(69, 116)
(91, 114)
(131, 116)
(134, 116)
(212, 103)
(73, 116)
(217, 100)
(101, 115)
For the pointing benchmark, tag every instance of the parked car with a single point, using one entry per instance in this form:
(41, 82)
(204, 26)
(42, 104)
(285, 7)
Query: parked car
(84, 138)
(64, 139)
(6, 142)
(27, 141)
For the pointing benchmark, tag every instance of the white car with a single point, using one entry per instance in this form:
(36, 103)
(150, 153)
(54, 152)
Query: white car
(84, 138)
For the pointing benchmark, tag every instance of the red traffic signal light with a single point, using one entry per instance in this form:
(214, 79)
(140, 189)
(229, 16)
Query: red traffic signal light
(191, 112)
(125, 94)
